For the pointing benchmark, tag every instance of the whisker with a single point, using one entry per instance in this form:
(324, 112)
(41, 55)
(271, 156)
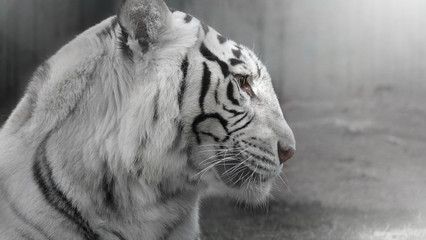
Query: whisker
(285, 184)
(236, 166)
(218, 150)
(285, 176)
(211, 166)
(214, 156)
(241, 177)
(215, 145)
(253, 172)
(236, 173)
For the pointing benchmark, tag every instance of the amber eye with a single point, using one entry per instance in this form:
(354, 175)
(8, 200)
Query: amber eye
(244, 84)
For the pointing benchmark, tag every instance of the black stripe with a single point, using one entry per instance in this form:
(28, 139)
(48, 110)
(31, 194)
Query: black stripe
(239, 135)
(230, 94)
(205, 85)
(188, 18)
(206, 28)
(216, 97)
(210, 56)
(215, 138)
(262, 158)
(254, 163)
(221, 39)
(203, 117)
(108, 185)
(239, 120)
(207, 53)
(235, 112)
(235, 61)
(255, 146)
(237, 52)
(22, 217)
(122, 44)
(156, 105)
(184, 69)
(54, 196)
(245, 125)
(260, 140)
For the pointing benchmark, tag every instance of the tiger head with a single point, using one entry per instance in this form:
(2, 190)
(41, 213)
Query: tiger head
(239, 134)
(230, 120)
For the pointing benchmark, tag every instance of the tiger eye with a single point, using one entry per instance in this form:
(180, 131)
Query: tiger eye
(244, 84)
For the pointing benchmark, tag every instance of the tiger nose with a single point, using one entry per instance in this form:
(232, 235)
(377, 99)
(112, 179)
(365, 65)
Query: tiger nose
(285, 153)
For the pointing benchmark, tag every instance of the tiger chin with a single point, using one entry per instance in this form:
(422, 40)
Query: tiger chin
(122, 132)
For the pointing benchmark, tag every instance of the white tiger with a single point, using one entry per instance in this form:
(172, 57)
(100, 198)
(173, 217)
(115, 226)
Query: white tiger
(121, 132)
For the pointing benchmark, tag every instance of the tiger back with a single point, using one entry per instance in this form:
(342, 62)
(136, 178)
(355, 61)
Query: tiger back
(122, 132)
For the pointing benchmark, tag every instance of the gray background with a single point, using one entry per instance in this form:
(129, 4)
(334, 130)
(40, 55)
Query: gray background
(32, 30)
(351, 79)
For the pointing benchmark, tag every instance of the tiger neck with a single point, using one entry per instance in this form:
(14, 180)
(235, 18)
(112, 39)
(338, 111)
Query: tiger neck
(132, 153)
(117, 199)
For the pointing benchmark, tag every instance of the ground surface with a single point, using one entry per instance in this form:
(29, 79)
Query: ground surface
(358, 174)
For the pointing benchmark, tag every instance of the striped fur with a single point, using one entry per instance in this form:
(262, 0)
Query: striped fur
(125, 129)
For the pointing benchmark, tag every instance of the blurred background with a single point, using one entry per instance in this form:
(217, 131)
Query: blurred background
(351, 78)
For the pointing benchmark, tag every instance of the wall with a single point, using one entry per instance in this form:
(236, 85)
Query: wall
(335, 50)
(314, 50)
(32, 30)
(330, 49)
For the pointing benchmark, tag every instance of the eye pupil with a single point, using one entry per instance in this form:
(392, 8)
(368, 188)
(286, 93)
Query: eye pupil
(242, 80)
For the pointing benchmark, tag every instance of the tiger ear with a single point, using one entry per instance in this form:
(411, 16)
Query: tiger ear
(144, 20)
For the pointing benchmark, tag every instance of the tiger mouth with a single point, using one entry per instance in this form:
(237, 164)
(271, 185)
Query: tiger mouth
(235, 174)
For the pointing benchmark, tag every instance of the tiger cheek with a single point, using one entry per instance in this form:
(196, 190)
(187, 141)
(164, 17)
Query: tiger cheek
(212, 128)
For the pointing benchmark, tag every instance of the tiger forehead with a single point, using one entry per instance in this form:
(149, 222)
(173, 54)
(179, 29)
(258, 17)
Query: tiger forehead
(238, 56)
(241, 59)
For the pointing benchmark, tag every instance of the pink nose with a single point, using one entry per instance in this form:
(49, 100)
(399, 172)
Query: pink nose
(285, 153)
